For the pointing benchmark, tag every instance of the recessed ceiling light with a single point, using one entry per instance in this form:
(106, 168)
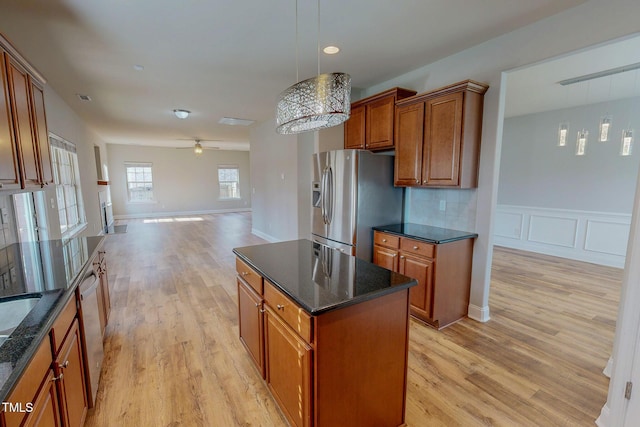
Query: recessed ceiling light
(83, 97)
(138, 67)
(235, 122)
(331, 50)
(182, 114)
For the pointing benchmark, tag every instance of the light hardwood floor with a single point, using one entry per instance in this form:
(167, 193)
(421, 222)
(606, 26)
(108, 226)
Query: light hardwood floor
(173, 357)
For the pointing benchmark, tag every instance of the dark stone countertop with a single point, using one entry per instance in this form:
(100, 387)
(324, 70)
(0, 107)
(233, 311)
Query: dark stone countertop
(426, 233)
(49, 269)
(318, 278)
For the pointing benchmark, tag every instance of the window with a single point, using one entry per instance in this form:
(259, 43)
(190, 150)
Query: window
(139, 182)
(66, 176)
(229, 181)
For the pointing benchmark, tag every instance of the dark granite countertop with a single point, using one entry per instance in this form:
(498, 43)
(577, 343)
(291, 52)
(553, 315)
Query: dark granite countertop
(51, 270)
(426, 233)
(318, 278)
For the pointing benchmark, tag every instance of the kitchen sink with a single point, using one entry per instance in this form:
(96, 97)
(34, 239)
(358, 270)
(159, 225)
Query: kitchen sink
(13, 311)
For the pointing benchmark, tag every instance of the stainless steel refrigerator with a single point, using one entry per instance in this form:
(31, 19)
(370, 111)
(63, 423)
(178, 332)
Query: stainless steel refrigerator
(352, 192)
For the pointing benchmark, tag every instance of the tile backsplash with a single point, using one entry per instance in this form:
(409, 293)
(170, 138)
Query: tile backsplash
(447, 208)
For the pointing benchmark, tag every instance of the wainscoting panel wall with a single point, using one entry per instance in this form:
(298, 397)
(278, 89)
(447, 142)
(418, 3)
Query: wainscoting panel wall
(596, 237)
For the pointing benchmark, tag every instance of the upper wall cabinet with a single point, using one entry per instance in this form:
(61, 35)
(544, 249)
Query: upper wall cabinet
(24, 142)
(371, 124)
(437, 136)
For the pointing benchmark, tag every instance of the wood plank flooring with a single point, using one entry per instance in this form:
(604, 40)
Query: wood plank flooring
(173, 357)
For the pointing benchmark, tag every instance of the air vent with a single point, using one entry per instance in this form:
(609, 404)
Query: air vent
(84, 97)
(235, 122)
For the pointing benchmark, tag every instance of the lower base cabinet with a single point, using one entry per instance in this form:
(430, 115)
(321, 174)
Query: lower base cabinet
(288, 372)
(344, 367)
(71, 384)
(443, 272)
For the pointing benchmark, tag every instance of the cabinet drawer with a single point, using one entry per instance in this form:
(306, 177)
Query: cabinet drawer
(289, 311)
(387, 240)
(417, 247)
(63, 323)
(249, 275)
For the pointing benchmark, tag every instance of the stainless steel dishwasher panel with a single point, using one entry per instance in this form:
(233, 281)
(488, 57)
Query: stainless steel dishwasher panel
(92, 332)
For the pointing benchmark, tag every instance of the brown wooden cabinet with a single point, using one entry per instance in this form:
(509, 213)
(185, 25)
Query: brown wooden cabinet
(437, 137)
(69, 368)
(371, 124)
(288, 369)
(443, 272)
(324, 370)
(25, 159)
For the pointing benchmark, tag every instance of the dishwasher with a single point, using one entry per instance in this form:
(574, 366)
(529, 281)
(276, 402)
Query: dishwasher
(89, 308)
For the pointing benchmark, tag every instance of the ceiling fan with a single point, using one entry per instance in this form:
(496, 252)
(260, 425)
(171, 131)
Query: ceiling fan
(198, 148)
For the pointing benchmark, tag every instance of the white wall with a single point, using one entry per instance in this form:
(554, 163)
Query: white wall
(64, 122)
(534, 171)
(590, 23)
(183, 183)
(274, 172)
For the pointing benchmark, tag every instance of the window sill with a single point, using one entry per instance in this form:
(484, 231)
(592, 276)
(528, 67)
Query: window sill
(74, 231)
(229, 198)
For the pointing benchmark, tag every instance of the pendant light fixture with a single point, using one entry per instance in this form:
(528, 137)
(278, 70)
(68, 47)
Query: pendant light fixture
(581, 142)
(312, 104)
(627, 142)
(197, 149)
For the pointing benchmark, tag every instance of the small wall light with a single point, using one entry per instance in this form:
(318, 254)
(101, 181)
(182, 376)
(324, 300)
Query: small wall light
(182, 114)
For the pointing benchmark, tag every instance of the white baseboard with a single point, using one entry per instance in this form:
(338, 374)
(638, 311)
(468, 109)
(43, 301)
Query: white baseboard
(264, 236)
(607, 369)
(595, 237)
(604, 418)
(179, 213)
(481, 314)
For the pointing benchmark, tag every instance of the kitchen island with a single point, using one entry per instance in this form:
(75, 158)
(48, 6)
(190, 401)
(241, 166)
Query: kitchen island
(328, 333)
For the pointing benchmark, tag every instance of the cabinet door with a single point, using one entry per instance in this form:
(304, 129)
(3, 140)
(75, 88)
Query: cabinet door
(354, 129)
(41, 134)
(420, 296)
(442, 140)
(9, 172)
(288, 360)
(384, 257)
(20, 99)
(379, 123)
(106, 294)
(251, 324)
(45, 411)
(409, 132)
(71, 386)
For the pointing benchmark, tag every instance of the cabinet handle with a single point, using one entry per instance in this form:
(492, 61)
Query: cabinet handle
(280, 307)
(257, 304)
(58, 378)
(384, 240)
(424, 182)
(395, 255)
(65, 364)
(244, 273)
(415, 248)
(401, 256)
(417, 181)
(262, 310)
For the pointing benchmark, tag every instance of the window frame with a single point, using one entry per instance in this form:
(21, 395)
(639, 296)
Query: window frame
(68, 185)
(148, 165)
(236, 182)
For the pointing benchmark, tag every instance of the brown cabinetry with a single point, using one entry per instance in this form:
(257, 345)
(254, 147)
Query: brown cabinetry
(52, 389)
(371, 123)
(443, 272)
(24, 144)
(325, 369)
(437, 136)
(69, 368)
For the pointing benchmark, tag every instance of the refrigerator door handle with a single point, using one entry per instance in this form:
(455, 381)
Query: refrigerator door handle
(330, 186)
(325, 191)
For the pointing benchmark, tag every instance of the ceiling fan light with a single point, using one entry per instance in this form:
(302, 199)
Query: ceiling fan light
(319, 102)
(197, 149)
(182, 114)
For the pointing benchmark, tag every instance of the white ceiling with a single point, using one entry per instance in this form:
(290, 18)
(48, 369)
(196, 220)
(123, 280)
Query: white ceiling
(534, 89)
(232, 58)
